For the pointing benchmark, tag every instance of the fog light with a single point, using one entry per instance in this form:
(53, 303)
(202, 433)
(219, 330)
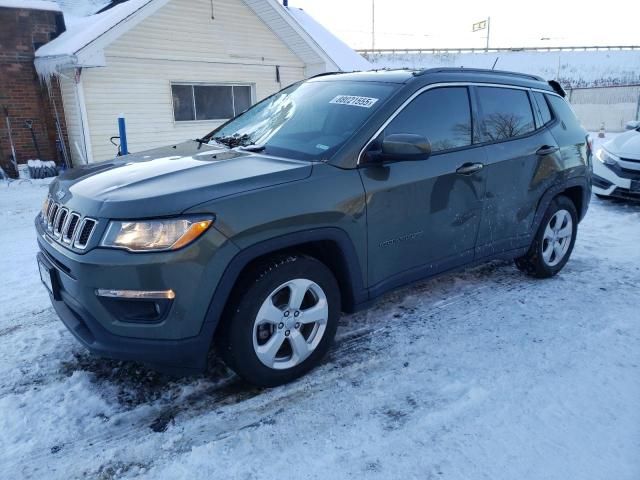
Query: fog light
(137, 294)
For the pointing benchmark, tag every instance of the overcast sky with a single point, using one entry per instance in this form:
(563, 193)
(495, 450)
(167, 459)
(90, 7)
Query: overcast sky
(440, 24)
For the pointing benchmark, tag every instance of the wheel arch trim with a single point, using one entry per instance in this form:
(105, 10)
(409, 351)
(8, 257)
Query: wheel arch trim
(355, 289)
(558, 189)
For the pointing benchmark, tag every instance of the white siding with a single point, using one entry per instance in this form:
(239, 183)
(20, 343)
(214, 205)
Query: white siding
(180, 43)
(72, 117)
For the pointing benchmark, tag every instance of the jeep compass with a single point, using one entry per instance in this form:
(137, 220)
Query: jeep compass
(313, 202)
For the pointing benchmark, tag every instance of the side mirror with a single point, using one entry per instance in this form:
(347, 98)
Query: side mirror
(632, 125)
(400, 147)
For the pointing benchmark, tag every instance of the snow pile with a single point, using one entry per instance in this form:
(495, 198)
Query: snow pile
(340, 53)
(31, 5)
(42, 169)
(571, 68)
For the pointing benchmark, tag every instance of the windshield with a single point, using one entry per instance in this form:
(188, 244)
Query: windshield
(306, 121)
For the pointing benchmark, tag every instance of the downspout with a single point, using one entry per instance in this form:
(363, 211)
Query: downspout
(84, 117)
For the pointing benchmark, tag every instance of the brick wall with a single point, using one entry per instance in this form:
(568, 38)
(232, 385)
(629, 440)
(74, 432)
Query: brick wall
(21, 91)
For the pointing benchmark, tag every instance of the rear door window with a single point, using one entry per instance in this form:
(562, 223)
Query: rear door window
(442, 115)
(506, 113)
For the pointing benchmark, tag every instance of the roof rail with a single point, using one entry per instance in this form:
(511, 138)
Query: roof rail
(477, 70)
(324, 74)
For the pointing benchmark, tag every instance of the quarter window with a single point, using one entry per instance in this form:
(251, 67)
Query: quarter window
(543, 107)
(209, 102)
(563, 111)
(506, 113)
(442, 115)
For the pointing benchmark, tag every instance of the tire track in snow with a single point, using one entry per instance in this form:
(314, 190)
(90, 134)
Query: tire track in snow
(352, 350)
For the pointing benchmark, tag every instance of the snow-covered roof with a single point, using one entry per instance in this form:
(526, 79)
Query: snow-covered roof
(85, 30)
(31, 5)
(81, 8)
(86, 37)
(345, 58)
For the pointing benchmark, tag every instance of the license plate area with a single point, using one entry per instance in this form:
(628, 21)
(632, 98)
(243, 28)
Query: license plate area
(49, 278)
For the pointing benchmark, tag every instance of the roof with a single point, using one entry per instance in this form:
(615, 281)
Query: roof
(86, 37)
(31, 5)
(345, 58)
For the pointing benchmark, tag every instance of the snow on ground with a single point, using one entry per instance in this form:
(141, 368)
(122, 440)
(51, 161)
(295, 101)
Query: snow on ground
(483, 374)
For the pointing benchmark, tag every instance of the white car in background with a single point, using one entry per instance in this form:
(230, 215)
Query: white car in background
(616, 167)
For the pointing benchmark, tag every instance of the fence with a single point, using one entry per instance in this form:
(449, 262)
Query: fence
(612, 106)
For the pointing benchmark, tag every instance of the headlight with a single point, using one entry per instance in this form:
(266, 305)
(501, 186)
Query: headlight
(606, 157)
(154, 235)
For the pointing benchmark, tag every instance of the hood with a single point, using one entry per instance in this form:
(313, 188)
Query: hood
(169, 180)
(626, 145)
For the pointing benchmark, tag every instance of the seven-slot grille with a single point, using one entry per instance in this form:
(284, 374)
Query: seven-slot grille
(68, 227)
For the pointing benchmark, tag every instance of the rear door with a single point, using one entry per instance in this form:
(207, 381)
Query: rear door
(521, 154)
(423, 216)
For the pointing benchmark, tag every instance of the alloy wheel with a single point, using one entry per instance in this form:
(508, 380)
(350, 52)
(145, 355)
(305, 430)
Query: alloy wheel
(290, 324)
(557, 237)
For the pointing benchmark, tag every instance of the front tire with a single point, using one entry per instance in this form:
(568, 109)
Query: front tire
(554, 240)
(282, 320)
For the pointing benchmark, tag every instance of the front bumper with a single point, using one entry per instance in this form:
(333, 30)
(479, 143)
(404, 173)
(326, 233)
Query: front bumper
(176, 341)
(616, 180)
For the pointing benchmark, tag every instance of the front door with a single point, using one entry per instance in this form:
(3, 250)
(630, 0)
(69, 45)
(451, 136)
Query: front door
(423, 216)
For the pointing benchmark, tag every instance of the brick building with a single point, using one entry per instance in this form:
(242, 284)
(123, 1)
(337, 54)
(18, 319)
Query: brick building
(24, 26)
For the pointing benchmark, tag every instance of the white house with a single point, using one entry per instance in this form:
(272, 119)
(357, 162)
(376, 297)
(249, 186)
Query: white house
(178, 68)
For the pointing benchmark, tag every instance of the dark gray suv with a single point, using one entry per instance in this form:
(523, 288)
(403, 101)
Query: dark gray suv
(313, 202)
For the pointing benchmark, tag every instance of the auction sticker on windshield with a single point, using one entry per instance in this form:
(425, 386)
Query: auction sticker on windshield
(355, 101)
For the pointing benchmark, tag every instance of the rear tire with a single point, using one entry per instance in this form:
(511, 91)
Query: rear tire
(554, 240)
(281, 320)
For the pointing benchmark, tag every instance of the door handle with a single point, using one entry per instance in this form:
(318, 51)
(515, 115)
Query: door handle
(547, 150)
(469, 168)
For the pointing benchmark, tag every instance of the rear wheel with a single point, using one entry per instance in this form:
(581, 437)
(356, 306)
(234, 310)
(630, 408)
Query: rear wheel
(283, 320)
(554, 241)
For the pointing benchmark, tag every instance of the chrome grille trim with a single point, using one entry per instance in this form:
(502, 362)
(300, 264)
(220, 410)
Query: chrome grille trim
(61, 221)
(77, 244)
(53, 212)
(71, 228)
(66, 226)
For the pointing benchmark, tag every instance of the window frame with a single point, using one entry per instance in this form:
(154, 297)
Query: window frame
(471, 118)
(475, 114)
(252, 88)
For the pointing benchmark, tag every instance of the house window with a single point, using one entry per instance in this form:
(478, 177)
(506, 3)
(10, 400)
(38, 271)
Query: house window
(209, 102)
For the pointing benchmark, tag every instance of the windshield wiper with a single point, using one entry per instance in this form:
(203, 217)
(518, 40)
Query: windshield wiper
(253, 147)
(234, 140)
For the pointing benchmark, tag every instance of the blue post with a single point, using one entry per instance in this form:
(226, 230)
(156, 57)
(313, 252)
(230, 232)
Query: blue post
(124, 150)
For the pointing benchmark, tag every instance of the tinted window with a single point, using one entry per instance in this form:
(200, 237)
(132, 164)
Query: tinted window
(213, 102)
(507, 112)
(209, 102)
(183, 103)
(241, 98)
(543, 107)
(442, 115)
(563, 111)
